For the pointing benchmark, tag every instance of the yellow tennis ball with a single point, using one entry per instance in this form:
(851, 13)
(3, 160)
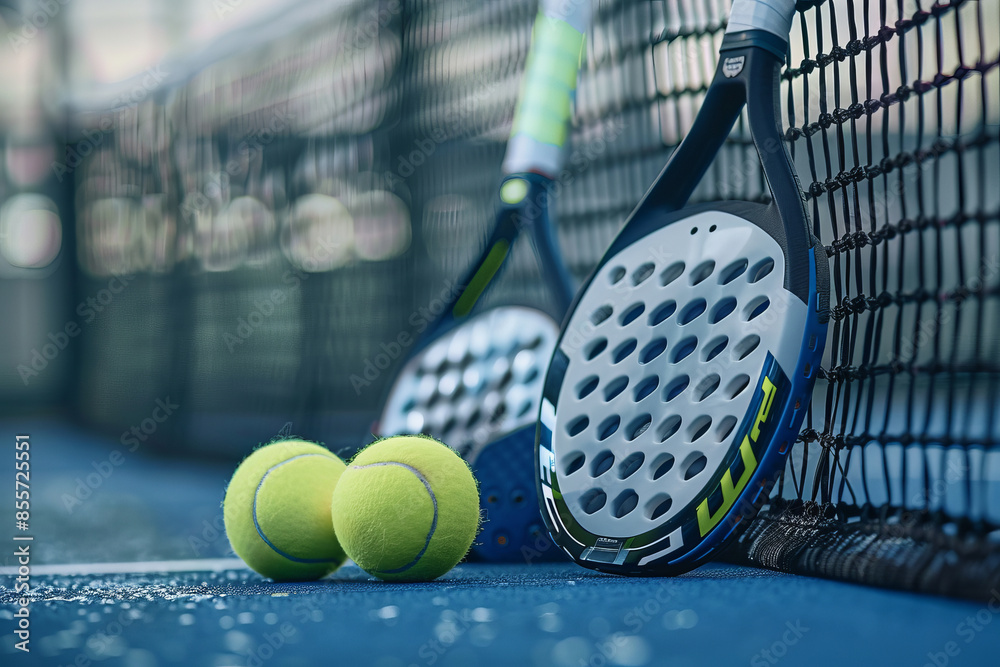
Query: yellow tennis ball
(406, 508)
(277, 511)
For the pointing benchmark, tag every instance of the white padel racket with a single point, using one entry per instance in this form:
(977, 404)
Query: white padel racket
(474, 380)
(683, 371)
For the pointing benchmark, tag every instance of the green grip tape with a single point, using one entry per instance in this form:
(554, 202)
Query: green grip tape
(549, 81)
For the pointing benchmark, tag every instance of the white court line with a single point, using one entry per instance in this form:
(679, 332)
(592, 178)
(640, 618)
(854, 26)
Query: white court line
(193, 565)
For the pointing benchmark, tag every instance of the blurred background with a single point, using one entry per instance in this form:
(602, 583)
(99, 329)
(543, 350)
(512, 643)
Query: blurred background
(216, 217)
(236, 204)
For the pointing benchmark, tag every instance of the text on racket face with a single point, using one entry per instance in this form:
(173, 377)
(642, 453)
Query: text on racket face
(730, 491)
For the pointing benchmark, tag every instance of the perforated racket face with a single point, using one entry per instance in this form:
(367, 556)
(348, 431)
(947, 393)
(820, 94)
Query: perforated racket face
(663, 362)
(475, 383)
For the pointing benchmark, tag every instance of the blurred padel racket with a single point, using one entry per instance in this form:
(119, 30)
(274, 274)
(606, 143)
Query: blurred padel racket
(683, 371)
(474, 381)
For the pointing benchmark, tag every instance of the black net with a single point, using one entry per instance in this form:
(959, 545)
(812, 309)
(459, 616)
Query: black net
(892, 117)
(305, 193)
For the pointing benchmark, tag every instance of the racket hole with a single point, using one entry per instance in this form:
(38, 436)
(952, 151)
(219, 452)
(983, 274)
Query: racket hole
(409, 405)
(517, 497)
(695, 464)
(595, 347)
(699, 427)
(630, 465)
(722, 310)
(756, 307)
(608, 427)
(587, 386)
(692, 311)
(533, 343)
(760, 270)
(671, 273)
(713, 228)
(662, 465)
(674, 389)
(473, 418)
(499, 413)
(449, 425)
(602, 463)
(685, 348)
(746, 346)
(725, 427)
(646, 387)
(662, 312)
(733, 271)
(615, 387)
(432, 398)
(637, 427)
(531, 375)
(658, 506)
(577, 426)
(706, 387)
(601, 314)
(652, 350)
(669, 427)
(737, 385)
(630, 315)
(641, 274)
(574, 463)
(625, 502)
(525, 409)
(694, 230)
(593, 500)
(623, 350)
(616, 274)
(715, 347)
(701, 272)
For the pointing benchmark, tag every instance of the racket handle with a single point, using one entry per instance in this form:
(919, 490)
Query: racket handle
(773, 16)
(545, 105)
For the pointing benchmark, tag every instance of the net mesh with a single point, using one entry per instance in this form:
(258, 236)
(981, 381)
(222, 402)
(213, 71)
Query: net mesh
(892, 116)
(289, 209)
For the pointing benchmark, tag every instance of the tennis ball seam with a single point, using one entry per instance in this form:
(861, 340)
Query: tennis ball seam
(434, 519)
(260, 531)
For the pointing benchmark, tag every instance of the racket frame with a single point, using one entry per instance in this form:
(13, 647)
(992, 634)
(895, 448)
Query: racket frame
(745, 57)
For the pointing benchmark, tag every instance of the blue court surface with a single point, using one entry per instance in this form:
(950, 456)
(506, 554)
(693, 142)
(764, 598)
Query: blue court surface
(128, 568)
